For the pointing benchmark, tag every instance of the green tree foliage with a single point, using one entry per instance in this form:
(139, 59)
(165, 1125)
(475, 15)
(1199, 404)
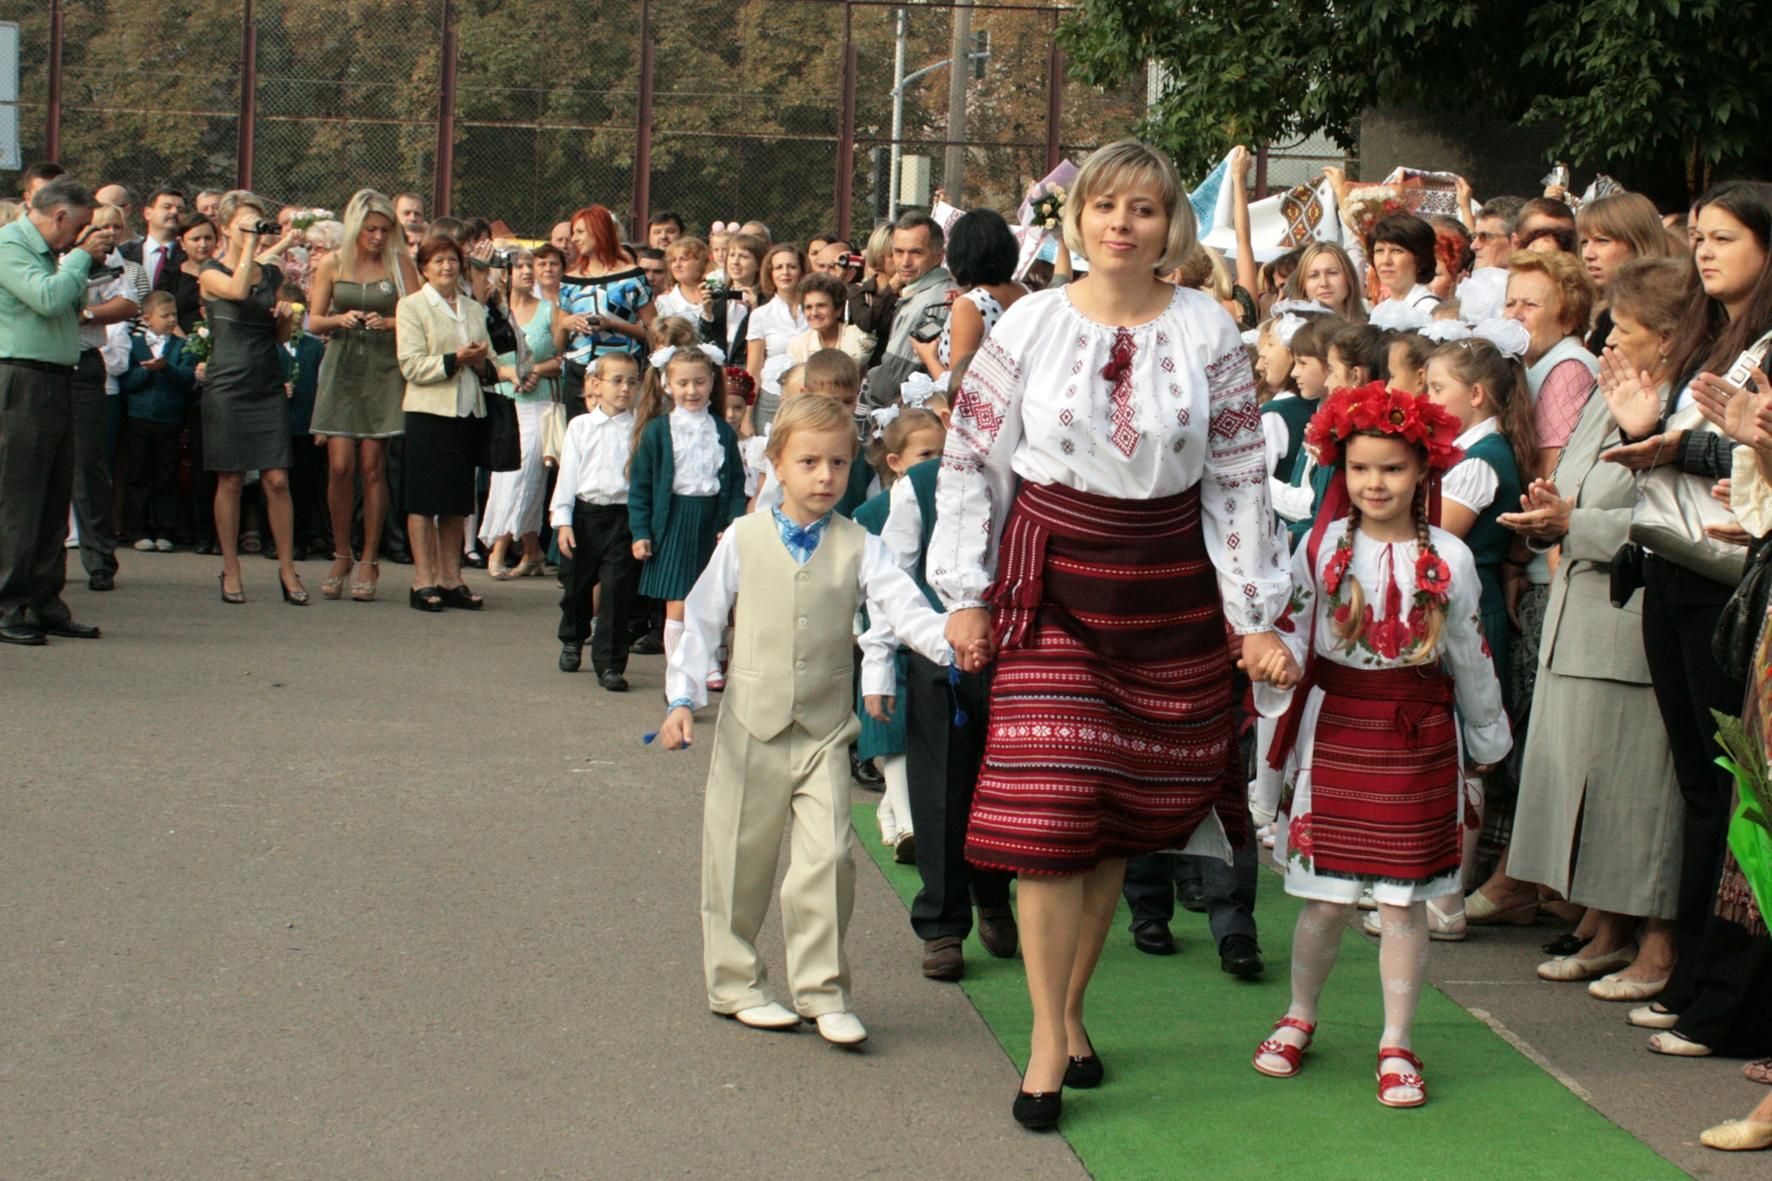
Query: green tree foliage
(1643, 84)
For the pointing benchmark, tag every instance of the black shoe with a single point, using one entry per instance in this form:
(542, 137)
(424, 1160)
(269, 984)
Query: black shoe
(71, 630)
(1241, 957)
(104, 580)
(398, 557)
(997, 931)
(1038, 1110)
(207, 547)
(477, 560)
(424, 598)
(571, 656)
(650, 644)
(461, 598)
(613, 681)
(864, 772)
(1083, 1074)
(1193, 895)
(1153, 938)
(23, 633)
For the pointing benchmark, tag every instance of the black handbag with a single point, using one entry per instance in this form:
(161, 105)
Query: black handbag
(1732, 644)
(501, 444)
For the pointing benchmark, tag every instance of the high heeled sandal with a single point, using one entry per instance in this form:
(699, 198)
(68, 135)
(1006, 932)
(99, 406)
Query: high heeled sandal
(333, 585)
(364, 592)
(526, 569)
(1275, 1048)
(232, 598)
(1391, 1081)
(295, 598)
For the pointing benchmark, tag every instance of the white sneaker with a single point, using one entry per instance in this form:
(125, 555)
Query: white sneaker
(842, 1029)
(145, 546)
(769, 1016)
(1366, 900)
(164, 545)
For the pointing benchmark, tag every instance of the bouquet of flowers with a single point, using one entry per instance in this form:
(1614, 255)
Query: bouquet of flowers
(199, 343)
(1365, 205)
(1048, 207)
(305, 219)
(1750, 831)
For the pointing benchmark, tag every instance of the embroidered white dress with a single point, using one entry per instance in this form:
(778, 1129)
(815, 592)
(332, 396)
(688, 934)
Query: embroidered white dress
(1034, 406)
(1485, 734)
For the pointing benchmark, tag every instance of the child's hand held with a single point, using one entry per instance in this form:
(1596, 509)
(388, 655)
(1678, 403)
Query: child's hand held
(678, 730)
(879, 706)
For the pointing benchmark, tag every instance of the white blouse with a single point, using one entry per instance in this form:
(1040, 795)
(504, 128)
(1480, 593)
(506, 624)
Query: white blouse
(593, 463)
(1035, 405)
(1471, 482)
(696, 454)
(775, 323)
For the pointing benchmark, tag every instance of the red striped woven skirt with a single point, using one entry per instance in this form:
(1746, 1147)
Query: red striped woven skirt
(1110, 728)
(1384, 775)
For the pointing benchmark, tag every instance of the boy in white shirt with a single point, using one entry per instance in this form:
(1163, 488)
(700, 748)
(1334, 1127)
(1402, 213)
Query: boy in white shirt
(590, 518)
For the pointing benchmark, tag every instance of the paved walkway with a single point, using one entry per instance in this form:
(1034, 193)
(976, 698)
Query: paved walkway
(358, 891)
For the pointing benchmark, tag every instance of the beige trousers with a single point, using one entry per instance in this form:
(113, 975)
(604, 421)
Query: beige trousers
(753, 789)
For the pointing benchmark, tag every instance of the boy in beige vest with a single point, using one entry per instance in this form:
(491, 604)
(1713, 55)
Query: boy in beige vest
(797, 573)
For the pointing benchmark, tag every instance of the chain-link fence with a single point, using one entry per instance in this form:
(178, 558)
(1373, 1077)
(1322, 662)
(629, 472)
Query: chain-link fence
(780, 110)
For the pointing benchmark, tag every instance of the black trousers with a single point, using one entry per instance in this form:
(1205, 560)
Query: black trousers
(150, 504)
(36, 484)
(1722, 981)
(1229, 890)
(602, 555)
(942, 762)
(308, 473)
(92, 467)
(201, 502)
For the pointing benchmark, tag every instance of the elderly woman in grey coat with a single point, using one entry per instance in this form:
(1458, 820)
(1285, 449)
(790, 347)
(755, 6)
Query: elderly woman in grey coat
(1600, 814)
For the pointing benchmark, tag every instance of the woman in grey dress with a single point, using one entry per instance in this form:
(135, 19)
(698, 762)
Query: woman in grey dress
(245, 419)
(1600, 817)
(357, 406)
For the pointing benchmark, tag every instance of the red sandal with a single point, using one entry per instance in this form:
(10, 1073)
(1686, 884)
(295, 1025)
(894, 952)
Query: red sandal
(1294, 1055)
(1393, 1081)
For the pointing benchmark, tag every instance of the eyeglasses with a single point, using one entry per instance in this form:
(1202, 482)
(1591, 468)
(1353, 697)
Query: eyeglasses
(1485, 236)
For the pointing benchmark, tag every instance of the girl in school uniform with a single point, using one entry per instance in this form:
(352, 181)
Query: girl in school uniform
(1385, 609)
(687, 482)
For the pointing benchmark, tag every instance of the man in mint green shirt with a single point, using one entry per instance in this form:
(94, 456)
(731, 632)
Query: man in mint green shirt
(40, 307)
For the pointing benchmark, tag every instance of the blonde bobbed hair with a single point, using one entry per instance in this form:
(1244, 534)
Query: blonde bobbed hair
(1115, 168)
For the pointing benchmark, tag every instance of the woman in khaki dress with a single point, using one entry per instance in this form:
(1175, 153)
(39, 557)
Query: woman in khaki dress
(357, 406)
(1600, 817)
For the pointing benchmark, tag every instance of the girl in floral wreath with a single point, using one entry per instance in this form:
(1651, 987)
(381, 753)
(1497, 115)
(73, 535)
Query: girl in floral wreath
(1386, 606)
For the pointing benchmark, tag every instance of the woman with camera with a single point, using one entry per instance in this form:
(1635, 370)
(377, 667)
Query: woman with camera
(245, 422)
(607, 301)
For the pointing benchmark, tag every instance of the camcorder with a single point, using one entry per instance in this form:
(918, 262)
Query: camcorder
(265, 229)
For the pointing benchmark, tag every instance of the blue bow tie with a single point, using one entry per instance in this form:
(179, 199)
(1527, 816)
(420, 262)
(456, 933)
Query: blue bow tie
(802, 536)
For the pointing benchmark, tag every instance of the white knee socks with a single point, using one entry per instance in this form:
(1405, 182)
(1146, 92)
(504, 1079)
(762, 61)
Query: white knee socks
(1402, 965)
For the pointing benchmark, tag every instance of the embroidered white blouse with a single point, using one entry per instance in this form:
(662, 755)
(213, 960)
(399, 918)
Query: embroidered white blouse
(696, 454)
(1036, 405)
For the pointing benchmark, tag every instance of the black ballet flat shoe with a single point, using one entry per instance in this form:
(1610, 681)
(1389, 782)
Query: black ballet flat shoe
(1568, 943)
(1084, 1074)
(1038, 1111)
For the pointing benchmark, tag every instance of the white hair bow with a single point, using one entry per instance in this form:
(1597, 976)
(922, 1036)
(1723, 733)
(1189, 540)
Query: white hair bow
(1510, 336)
(1393, 315)
(884, 417)
(1446, 331)
(773, 371)
(917, 389)
(1304, 307)
(1286, 327)
(663, 356)
(1252, 337)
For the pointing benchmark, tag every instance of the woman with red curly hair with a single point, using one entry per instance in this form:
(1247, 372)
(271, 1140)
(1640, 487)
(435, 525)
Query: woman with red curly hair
(1384, 609)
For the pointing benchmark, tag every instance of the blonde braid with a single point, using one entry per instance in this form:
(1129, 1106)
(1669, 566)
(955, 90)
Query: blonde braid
(1351, 631)
(1434, 616)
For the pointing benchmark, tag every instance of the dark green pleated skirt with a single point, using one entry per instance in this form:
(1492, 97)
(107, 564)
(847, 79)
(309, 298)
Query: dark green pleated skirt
(879, 739)
(679, 557)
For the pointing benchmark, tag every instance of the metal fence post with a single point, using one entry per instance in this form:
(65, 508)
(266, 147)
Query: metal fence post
(52, 133)
(1054, 100)
(248, 98)
(846, 125)
(443, 184)
(1260, 172)
(953, 168)
(643, 129)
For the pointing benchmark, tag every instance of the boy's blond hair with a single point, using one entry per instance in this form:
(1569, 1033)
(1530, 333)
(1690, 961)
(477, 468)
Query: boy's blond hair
(819, 415)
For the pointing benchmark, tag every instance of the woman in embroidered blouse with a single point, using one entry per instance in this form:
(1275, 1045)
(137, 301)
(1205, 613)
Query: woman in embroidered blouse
(1126, 408)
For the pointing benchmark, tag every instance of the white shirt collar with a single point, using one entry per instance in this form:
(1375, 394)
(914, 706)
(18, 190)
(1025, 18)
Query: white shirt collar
(1488, 426)
(436, 298)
